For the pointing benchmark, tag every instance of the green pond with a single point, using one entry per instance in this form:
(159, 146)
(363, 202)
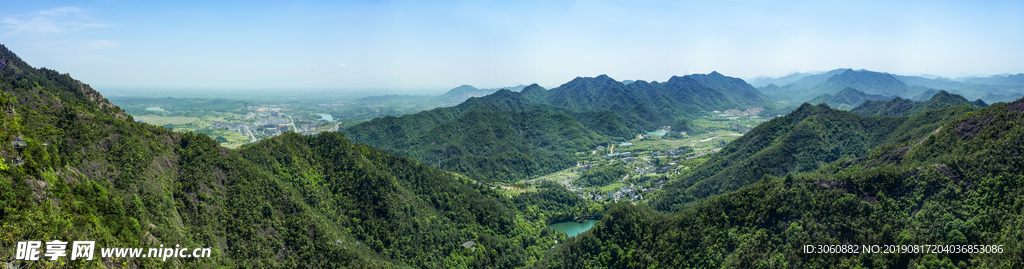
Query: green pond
(573, 228)
(659, 132)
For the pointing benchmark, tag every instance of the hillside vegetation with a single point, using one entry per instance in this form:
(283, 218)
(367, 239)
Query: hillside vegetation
(90, 172)
(955, 183)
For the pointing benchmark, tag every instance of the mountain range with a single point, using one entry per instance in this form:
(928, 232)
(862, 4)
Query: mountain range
(508, 135)
(799, 87)
(846, 99)
(451, 97)
(940, 177)
(89, 171)
(938, 174)
(904, 107)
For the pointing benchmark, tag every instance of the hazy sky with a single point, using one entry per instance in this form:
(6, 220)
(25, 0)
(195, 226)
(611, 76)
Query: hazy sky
(438, 45)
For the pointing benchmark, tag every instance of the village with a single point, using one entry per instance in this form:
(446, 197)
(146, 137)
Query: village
(651, 159)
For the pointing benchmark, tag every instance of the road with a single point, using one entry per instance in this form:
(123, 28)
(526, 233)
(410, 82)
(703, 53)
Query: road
(293, 123)
(250, 134)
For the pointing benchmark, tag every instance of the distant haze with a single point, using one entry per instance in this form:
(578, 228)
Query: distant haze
(413, 47)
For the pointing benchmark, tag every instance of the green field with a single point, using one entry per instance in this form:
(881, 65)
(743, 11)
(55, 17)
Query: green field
(612, 187)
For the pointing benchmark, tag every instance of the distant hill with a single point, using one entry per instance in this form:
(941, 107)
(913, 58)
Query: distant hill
(834, 81)
(903, 107)
(461, 93)
(995, 98)
(454, 96)
(933, 83)
(846, 99)
(866, 81)
(509, 135)
(797, 91)
(1016, 80)
(741, 92)
(762, 81)
(997, 88)
(924, 95)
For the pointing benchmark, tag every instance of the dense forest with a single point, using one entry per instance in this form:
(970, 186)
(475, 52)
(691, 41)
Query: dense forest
(944, 177)
(903, 107)
(90, 172)
(944, 171)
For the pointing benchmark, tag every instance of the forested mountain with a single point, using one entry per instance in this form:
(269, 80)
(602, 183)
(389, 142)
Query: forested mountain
(461, 93)
(762, 81)
(498, 137)
(806, 139)
(866, 81)
(846, 99)
(741, 92)
(509, 135)
(90, 172)
(795, 91)
(948, 179)
(903, 107)
(924, 95)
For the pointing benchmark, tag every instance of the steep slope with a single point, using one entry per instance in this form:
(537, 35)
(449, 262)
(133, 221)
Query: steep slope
(90, 172)
(498, 137)
(804, 140)
(846, 99)
(903, 107)
(950, 186)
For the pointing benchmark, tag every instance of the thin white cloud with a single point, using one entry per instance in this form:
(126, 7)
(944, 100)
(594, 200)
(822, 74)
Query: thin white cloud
(52, 21)
(60, 11)
(102, 44)
(343, 64)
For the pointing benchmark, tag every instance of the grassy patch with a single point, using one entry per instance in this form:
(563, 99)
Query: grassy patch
(612, 187)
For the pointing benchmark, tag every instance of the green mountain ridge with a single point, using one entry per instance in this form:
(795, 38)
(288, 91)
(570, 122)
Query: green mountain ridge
(866, 81)
(805, 140)
(90, 172)
(903, 107)
(508, 135)
(846, 99)
(943, 177)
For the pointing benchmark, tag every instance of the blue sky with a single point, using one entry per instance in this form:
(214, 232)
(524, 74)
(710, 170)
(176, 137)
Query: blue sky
(432, 46)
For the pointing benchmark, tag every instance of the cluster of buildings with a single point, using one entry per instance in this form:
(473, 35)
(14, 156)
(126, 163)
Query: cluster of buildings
(232, 126)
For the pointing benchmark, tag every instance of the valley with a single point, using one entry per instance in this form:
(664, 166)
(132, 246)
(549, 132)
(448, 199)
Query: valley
(651, 160)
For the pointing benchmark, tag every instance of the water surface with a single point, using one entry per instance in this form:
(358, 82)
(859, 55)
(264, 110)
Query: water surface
(572, 228)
